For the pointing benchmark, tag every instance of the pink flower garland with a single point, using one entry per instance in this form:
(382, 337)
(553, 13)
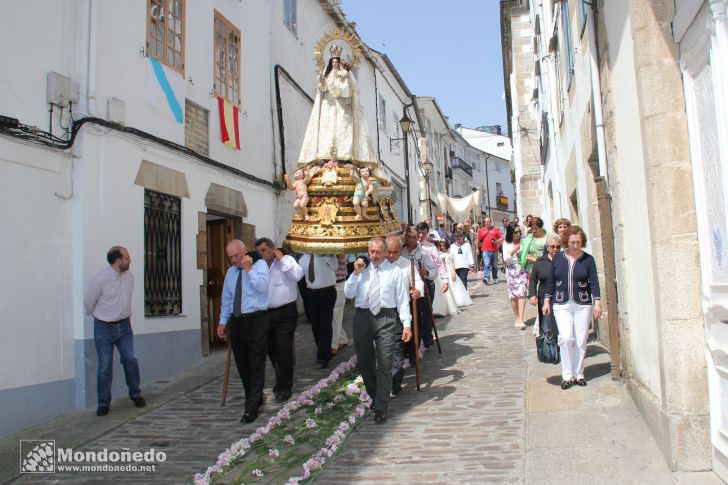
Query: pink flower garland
(334, 441)
(239, 448)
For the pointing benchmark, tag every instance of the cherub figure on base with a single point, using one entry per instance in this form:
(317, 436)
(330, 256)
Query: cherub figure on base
(366, 186)
(302, 177)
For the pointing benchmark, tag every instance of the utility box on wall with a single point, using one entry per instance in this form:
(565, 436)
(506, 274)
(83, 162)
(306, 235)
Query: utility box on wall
(62, 90)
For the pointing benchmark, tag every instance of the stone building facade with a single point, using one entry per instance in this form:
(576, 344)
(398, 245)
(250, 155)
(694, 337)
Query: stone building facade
(608, 109)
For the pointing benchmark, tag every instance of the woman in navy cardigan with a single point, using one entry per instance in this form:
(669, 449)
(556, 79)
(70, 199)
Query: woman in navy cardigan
(573, 287)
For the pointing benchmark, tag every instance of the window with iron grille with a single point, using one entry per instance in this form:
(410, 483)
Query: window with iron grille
(162, 254)
(227, 61)
(166, 32)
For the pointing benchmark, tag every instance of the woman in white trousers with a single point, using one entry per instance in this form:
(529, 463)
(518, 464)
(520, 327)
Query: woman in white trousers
(574, 289)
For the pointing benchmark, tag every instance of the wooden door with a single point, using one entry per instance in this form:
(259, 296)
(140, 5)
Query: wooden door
(219, 232)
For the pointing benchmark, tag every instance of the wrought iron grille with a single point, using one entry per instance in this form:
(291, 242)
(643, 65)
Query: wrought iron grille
(162, 254)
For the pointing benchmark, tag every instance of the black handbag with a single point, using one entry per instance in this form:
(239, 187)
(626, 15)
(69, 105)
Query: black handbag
(547, 345)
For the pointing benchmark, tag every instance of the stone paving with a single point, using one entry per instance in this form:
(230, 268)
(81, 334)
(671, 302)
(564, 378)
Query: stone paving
(466, 424)
(193, 429)
(488, 412)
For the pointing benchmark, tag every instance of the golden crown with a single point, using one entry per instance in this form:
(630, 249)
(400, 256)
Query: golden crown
(336, 50)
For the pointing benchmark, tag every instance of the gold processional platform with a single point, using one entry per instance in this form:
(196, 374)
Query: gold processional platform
(333, 226)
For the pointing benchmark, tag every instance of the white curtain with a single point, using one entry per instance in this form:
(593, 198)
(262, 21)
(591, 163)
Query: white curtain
(461, 208)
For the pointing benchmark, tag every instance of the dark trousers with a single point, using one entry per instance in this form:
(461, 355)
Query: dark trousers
(282, 323)
(463, 275)
(320, 314)
(106, 336)
(374, 345)
(424, 313)
(249, 340)
(398, 355)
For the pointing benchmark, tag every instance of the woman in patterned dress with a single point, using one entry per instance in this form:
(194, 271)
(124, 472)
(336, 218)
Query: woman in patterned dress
(516, 276)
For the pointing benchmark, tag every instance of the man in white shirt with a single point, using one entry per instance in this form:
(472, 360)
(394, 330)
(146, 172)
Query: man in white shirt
(320, 296)
(108, 299)
(379, 294)
(394, 256)
(444, 276)
(462, 255)
(283, 275)
(428, 271)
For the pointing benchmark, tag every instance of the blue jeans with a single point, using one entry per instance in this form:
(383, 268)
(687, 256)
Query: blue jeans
(106, 335)
(490, 265)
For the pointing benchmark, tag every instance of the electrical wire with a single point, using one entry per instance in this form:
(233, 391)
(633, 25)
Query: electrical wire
(36, 135)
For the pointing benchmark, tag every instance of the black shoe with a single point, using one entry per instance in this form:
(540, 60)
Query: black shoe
(248, 418)
(380, 417)
(322, 363)
(139, 402)
(566, 384)
(283, 396)
(396, 387)
(102, 411)
(581, 382)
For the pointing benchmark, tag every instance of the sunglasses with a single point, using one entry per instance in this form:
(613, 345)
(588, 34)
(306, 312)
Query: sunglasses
(554, 247)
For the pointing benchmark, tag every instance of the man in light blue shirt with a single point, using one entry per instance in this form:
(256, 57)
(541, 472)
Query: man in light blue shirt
(379, 293)
(245, 308)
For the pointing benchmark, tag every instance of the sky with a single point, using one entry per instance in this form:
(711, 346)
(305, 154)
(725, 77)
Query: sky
(449, 49)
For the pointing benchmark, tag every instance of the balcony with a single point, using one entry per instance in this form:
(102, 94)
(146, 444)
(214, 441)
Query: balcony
(458, 162)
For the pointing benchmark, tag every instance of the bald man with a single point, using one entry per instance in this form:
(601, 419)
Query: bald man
(245, 309)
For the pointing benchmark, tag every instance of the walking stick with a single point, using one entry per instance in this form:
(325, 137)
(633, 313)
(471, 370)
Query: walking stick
(415, 327)
(227, 368)
(432, 316)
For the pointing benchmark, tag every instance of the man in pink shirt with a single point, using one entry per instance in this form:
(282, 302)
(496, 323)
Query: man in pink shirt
(490, 239)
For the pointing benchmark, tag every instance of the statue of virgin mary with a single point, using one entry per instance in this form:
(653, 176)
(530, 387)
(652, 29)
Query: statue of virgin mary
(337, 129)
(343, 194)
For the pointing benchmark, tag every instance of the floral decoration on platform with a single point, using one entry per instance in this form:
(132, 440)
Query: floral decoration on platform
(294, 444)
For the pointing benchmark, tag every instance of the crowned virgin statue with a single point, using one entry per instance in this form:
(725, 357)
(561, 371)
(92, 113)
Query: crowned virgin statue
(342, 193)
(337, 129)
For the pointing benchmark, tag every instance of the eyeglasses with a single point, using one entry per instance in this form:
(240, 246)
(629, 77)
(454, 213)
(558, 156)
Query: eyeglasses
(554, 247)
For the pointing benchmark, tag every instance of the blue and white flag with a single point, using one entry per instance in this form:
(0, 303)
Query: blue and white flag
(165, 90)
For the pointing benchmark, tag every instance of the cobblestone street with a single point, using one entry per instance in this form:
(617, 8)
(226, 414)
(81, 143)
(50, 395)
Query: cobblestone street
(487, 412)
(466, 425)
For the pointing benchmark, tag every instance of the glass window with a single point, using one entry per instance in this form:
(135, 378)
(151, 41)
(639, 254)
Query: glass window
(567, 42)
(166, 32)
(226, 60)
(290, 14)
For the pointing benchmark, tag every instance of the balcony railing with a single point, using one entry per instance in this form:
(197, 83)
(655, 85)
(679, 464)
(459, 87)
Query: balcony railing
(458, 162)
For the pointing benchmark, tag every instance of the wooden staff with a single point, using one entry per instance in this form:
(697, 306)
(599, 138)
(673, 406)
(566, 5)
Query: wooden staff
(227, 365)
(432, 315)
(415, 326)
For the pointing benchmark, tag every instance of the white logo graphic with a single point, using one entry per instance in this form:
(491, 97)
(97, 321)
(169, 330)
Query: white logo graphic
(37, 456)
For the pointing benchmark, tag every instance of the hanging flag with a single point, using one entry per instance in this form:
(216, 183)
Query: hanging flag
(229, 123)
(165, 89)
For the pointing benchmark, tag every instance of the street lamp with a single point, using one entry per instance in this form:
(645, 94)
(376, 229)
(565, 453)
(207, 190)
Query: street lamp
(427, 166)
(405, 123)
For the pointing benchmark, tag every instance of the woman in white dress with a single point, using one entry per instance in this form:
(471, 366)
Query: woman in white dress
(444, 303)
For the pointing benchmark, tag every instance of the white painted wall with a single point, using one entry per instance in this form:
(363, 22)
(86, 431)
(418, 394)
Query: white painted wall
(635, 271)
(498, 151)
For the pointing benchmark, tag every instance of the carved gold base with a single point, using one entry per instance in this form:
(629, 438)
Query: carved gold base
(333, 226)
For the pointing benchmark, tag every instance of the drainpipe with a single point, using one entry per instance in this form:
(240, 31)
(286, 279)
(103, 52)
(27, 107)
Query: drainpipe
(603, 201)
(597, 94)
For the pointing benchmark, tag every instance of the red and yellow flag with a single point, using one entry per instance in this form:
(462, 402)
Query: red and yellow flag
(229, 123)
